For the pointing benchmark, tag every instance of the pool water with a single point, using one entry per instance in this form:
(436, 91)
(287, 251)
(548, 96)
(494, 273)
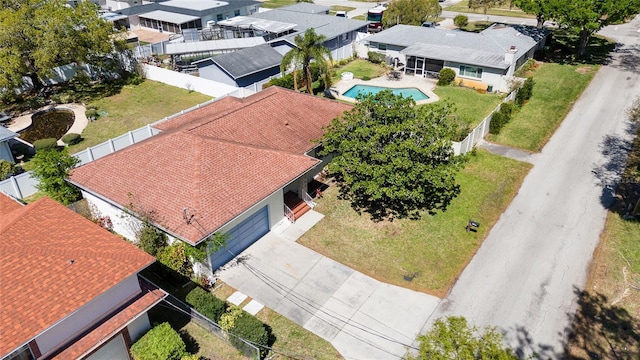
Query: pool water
(413, 93)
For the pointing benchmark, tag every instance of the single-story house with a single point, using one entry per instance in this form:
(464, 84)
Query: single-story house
(223, 168)
(6, 135)
(251, 66)
(69, 289)
(483, 60)
(340, 32)
(176, 15)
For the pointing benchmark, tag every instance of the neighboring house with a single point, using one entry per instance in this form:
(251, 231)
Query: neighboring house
(223, 168)
(286, 22)
(6, 135)
(483, 60)
(174, 16)
(69, 289)
(251, 66)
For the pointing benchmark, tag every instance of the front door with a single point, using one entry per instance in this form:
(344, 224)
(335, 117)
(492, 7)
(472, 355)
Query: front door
(419, 67)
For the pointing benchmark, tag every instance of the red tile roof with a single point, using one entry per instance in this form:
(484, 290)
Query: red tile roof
(216, 161)
(7, 205)
(39, 286)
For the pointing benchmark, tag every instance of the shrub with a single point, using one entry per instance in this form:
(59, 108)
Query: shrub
(446, 76)
(508, 108)
(525, 91)
(45, 144)
(175, 257)
(497, 122)
(461, 21)
(51, 167)
(6, 169)
(206, 304)
(71, 138)
(162, 342)
(250, 328)
(376, 57)
(366, 78)
(150, 239)
(91, 114)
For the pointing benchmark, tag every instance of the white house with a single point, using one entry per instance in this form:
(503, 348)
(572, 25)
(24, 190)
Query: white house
(5, 150)
(229, 167)
(69, 289)
(483, 60)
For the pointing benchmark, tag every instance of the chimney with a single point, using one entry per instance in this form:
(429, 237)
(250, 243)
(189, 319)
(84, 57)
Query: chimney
(510, 55)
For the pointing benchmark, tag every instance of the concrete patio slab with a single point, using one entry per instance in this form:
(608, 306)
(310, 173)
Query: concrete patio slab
(253, 307)
(237, 298)
(426, 85)
(362, 317)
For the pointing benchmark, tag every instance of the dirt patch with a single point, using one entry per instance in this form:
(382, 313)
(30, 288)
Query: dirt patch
(584, 69)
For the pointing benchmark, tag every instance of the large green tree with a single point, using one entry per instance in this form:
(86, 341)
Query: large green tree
(585, 17)
(540, 8)
(453, 338)
(411, 12)
(51, 167)
(309, 47)
(392, 158)
(39, 35)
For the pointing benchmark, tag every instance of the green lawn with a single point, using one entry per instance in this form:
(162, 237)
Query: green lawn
(272, 4)
(361, 68)
(557, 87)
(502, 10)
(360, 17)
(134, 107)
(336, 8)
(436, 248)
(471, 106)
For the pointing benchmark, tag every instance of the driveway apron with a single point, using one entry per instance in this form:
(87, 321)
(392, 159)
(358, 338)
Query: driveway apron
(363, 318)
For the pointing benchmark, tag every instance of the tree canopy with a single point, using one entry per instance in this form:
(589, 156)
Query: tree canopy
(392, 158)
(51, 167)
(411, 12)
(485, 5)
(585, 17)
(36, 36)
(309, 46)
(540, 8)
(453, 338)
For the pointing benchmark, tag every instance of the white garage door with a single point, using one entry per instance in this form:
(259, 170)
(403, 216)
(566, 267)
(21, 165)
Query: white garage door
(113, 350)
(242, 236)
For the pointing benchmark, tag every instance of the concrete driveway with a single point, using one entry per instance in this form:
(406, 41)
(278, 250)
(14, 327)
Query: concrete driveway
(361, 317)
(525, 276)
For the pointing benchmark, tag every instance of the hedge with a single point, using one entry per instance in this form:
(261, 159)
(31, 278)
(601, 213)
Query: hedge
(206, 304)
(44, 144)
(250, 328)
(71, 138)
(375, 57)
(446, 76)
(160, 343)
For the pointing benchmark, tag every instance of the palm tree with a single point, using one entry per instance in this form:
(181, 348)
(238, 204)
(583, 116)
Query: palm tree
(308, 47)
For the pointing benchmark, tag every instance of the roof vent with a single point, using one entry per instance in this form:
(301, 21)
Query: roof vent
(71, 261)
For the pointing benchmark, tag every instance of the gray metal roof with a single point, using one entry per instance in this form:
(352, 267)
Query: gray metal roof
(248, 61)
(307, 8)
(246, 22)
(327, 25)
(487, 47)
(169, 17)
(6, 134)
(221, 7)
(213, 45)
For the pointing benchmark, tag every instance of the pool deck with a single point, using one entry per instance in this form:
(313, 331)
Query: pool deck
(426, 85)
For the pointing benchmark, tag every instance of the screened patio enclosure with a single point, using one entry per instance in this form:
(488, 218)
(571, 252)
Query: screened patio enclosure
(421, 66)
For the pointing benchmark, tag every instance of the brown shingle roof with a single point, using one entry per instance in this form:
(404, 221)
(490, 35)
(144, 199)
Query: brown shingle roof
(216, 161)
(38, 284)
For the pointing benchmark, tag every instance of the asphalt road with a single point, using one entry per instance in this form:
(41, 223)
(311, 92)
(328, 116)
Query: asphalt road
(525, 276)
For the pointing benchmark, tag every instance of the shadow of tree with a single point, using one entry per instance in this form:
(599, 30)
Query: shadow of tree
(562, 45)
(618, 191)
(628, 58)
(527, 348)
(601, 331)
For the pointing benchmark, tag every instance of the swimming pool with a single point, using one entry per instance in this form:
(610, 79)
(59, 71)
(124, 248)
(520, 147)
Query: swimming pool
(413, 93)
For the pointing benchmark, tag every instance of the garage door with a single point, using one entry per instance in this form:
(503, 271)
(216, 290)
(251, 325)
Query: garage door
(242, 236)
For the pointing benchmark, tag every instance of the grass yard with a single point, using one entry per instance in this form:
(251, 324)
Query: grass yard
(273, 4)
(434, 248)
(336, 8)
(501, 10)
(360, 68)
(471, 106)
(557, 87)
(477, 26)
(360, 17)
(134, 107)
(294, 340)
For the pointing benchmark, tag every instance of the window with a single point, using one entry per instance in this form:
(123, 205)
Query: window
(382, 46)
(470, 71)
(24, 353)
(219, 17)
(345, 36)
(236, 13)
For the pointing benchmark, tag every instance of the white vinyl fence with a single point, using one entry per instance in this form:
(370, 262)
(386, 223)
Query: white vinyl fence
(480, 131)
(189, 82)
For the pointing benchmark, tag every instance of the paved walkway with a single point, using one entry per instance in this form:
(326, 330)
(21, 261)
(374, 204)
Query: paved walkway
(22, 122)
(506, 151)
(362, 318)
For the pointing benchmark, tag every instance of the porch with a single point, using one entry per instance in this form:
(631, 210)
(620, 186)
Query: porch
(296, 205)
